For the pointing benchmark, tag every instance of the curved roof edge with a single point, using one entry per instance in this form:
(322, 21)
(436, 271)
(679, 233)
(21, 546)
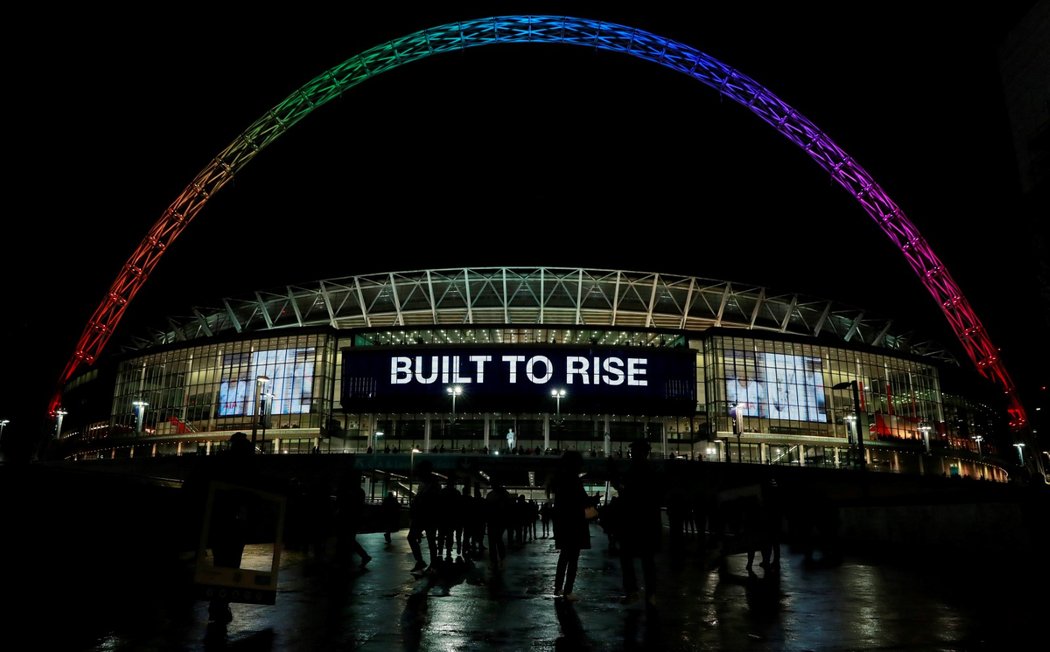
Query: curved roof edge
(532, 296)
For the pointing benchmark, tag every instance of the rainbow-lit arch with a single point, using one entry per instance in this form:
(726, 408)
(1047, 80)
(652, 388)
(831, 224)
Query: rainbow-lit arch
(564, 30)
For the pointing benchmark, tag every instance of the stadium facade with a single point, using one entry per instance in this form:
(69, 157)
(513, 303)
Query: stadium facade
(486, 360)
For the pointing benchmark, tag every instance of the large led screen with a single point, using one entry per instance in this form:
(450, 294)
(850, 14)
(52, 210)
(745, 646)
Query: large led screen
(775, 386)
(520, 379)
(289, 390)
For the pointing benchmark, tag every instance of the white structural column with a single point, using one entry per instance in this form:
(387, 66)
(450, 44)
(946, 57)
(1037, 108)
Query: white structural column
(607, 436)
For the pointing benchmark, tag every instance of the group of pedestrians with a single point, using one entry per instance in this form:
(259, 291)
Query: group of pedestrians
(456, 524)
(469, 525)
(568, 515)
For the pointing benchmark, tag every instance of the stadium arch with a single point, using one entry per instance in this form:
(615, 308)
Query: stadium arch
(567, 30)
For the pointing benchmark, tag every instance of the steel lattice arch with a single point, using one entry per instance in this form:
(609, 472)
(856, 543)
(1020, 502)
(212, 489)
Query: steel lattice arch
(534, 297)
(452, 37)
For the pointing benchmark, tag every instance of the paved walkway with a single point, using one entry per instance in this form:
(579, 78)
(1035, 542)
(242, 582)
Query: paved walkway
(852, 606)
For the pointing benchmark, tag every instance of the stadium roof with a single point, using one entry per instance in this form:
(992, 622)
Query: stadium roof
(537, 296)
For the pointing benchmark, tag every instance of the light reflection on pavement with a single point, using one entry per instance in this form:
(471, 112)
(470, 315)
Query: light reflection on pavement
(854, 605)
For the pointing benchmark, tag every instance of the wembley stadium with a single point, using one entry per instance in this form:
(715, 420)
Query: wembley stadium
(533, 361)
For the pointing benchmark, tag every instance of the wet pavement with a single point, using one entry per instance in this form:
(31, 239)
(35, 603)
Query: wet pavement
(855, 605)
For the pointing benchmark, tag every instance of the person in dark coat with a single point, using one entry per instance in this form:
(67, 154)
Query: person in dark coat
(498, 506)
(572, 533)
(350, 513)
(230, 525)
(423, 515)
(640, 523)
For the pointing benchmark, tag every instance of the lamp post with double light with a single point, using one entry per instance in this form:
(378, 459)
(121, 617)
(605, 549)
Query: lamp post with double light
(860, 419)
(1020, 452)
(558, 395)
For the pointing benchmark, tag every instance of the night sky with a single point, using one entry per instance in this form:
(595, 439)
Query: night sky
(504, 155)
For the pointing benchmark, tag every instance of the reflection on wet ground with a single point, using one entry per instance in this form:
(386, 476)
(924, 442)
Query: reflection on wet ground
(853, 605)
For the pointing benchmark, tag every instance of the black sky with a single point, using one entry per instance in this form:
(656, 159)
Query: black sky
(548, 155)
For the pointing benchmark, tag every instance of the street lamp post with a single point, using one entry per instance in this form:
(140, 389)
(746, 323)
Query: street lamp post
(851, 429)
(411, 471)
(924, 428)
(980, 455)
(259, 382)
(267, 399)
(140, 414)
(60, 413)
(1020, 446)
(860, 420)
(454, 391)
(3, 422)
(738, 425)
(558, 395)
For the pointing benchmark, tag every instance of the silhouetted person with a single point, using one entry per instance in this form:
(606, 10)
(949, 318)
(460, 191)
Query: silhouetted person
(571, 530)
(476, 522)
(640, 523)
(498, 507)
(229, 527)
(751, 527)
(350, 512)
(545, 517)
(772, 524)
(423, 514)
(317, 510)
(518, 516)
(450, 529)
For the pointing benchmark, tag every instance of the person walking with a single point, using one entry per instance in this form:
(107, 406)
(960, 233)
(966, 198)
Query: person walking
(545, 517)
(572, 532)
(423, 514)
(350, 512)
(640, 523)
(450, 519)
(498, 507)
(772, 524)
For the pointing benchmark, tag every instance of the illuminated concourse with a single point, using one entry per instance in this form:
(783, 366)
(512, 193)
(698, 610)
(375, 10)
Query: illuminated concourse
(534, 361)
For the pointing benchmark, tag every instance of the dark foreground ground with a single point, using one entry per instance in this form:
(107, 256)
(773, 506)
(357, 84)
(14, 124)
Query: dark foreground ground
(106, 569)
